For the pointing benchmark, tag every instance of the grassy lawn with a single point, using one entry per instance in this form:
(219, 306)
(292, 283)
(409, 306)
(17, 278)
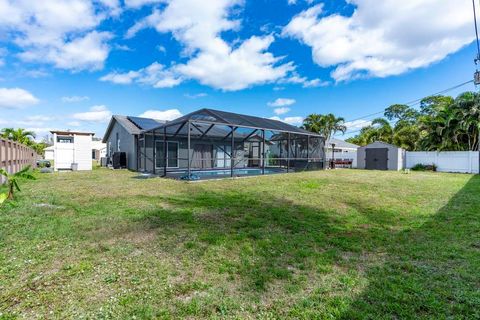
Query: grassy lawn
(344, 244)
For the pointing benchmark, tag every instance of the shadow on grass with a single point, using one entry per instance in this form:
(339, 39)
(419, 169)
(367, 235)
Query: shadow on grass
(432, 271)
(268, 238)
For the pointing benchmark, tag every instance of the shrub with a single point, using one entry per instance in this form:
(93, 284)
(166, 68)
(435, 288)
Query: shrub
(424, 167)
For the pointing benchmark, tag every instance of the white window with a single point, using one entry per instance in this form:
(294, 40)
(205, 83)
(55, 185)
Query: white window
(62, 139)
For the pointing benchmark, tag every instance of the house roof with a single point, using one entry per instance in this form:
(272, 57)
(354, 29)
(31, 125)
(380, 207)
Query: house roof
(65, 132)
(235, 119)
(133, 125)
(341, 144)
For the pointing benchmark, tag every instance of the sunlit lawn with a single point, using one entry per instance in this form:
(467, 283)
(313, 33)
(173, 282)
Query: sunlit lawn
(329, 244)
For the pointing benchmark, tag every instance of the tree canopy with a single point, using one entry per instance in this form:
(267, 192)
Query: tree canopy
(443, 123)
(24, 137)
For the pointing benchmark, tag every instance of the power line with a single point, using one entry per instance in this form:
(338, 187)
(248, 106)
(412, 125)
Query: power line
(410, 103)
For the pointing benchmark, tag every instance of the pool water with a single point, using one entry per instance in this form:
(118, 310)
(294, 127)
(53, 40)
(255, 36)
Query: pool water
(235, 172)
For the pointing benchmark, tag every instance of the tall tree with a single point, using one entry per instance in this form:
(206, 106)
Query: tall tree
(327, 125)
(19, 135)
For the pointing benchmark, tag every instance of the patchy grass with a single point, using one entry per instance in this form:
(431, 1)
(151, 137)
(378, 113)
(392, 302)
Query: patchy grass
(344, 244)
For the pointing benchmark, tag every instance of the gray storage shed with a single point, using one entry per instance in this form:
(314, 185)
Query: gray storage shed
(380, 156)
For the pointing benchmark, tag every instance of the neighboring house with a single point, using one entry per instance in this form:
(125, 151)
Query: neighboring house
(72, 150)
(343, 151)
(380, 156)
(49, 153)
(99, 150)
(207, 140)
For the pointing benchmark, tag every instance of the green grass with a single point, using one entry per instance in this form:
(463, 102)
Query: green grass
(327, 245)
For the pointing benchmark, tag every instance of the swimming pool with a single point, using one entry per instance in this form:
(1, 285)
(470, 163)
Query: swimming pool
(208, 174)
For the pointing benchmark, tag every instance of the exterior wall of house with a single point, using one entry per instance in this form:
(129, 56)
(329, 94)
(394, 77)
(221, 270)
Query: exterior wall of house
(100, 149)
(148, 162)
(49, 154)
(343, 154)
(78, 151)
(396, 156)
(121, 140)
(83, 151)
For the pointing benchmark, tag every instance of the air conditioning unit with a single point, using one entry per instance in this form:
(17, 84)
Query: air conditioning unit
(119, 160)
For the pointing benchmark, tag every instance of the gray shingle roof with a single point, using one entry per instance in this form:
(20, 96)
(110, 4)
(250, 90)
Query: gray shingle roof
(340, 144)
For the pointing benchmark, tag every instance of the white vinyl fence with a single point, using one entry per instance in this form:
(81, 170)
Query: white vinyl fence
(446, 161)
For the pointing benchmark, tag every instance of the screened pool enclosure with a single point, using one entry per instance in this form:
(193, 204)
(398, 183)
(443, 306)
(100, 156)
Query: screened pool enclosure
(214, 144)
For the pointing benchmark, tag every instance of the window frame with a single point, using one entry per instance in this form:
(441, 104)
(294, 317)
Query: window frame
(63, 139)
(177, 158)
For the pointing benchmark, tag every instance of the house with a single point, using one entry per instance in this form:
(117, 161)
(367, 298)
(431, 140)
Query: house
(72, 150)
(344, 152)
(49, 153)
(212, 143)
(380, 156)
(99, 149)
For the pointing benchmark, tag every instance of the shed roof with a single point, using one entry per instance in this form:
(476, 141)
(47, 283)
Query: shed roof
(382, 143)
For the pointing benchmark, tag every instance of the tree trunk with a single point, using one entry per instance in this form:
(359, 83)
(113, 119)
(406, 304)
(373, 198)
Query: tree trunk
(10, 192)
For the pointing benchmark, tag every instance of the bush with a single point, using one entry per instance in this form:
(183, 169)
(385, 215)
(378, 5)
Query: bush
(424, 167)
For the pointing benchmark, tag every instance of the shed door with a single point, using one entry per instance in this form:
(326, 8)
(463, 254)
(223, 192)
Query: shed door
(376, 159)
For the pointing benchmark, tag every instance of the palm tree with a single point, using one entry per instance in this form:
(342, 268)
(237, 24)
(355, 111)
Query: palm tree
(326, 125)
(12, 180)
(20, 135)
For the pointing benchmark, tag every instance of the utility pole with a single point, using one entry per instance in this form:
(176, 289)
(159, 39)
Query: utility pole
(476, 76)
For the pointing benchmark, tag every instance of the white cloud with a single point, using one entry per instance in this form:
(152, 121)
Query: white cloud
(74, 123)
(306, 83)
(166, 115)
(36, 120)
(281, 110)
(198, 25)
(196, 95)
(36, 74)
(120, 78)
(357, 124)
(16, 98)
(281, 102)
(40, 132)
(289, 120)
(73, 99)
(155, 75)
(96, 114)
(140, 3)
(59, 32)
(291, 2)
(383, 38)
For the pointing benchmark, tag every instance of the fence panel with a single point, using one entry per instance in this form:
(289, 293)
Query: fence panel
(446, 161)
(15, 156)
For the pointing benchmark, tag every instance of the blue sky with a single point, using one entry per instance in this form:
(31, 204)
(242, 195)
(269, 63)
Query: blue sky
(71, 64)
